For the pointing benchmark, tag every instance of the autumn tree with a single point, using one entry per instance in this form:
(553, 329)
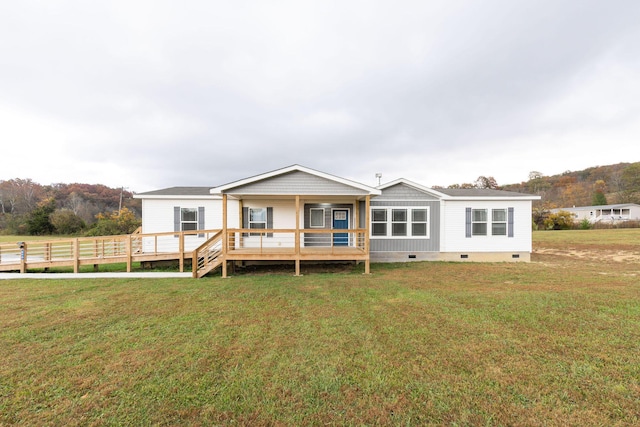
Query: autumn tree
(540, 212)
(19, 196)
(114, 223)
(39, 221)
(630, 180)
(599, 189)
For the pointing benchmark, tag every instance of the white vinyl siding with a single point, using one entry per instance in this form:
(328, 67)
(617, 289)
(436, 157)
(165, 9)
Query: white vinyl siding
(400, 222)
(454, 238)
(158, 216)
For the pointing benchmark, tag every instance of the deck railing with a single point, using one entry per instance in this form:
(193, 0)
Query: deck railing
(259, 239)
(203, 247)
(101, 250)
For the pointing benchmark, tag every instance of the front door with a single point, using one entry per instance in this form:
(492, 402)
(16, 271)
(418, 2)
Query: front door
(340, 222)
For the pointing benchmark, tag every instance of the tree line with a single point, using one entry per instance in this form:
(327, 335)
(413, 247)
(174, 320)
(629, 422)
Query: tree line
(29, 208)
(595, 186)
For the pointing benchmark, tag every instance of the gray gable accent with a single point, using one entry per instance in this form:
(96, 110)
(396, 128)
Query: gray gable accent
(403, 191)
(297, 182)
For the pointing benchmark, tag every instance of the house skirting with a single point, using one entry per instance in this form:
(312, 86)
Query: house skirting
(451, 256)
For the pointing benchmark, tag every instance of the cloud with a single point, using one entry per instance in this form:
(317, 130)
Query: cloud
(164, 93)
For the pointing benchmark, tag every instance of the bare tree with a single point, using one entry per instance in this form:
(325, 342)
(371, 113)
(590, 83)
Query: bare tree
(486, 182)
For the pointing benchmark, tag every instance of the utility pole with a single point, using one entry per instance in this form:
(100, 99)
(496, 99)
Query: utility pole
(121, 195)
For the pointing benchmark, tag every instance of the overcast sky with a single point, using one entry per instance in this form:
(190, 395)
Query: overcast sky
(153, 94)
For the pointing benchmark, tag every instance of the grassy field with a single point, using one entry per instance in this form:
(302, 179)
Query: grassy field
(552, 342)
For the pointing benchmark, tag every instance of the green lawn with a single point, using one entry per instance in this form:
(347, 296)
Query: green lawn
(554, 342)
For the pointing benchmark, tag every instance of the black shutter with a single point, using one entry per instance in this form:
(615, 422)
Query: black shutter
(176, 219)
(245, 220)
(269, 220)
(468, 222)
(201, 220)
(510, 222)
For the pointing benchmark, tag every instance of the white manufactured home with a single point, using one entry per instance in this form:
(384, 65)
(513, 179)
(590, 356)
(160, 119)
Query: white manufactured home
(300, 214)
(604, 213)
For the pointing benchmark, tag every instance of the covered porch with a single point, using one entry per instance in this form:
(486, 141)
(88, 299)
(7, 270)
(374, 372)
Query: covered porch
(292, 214)
(299, 243)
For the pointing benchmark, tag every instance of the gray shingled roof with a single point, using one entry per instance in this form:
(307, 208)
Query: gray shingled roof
(479, 192)
(179, 191)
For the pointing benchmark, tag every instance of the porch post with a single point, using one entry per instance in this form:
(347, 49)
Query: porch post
(76, 256)
(297, 236)
(224, 235)
(181, 250)
(129, 254)
(367, 214)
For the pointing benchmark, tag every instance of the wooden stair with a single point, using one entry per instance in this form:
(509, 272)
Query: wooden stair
(208, 256)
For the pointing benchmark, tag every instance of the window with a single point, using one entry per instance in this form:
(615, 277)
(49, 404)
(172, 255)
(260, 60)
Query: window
(479, 222)
(499, 222)
(419, 222)
(316, 219)
(188, 219)
(257, 219)
(400, 222)
(379, 222)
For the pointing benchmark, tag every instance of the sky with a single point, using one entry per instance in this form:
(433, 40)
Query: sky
(153, 94)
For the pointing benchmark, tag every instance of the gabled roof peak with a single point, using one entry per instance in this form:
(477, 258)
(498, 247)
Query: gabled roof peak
(293, 168)
(461, 193)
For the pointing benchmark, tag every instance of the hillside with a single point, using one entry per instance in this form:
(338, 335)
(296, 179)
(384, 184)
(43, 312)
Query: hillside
(20, 199)
(598, 185)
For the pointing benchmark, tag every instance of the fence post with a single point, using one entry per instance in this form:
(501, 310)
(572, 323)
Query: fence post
(76, 255)
(194, 264)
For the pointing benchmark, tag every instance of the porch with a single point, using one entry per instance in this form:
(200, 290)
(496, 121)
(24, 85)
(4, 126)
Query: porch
(295, 245)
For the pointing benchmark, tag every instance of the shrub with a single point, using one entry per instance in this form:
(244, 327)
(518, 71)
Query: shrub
(109, 224)
(585, 224)
(66, 221)
(561, 220)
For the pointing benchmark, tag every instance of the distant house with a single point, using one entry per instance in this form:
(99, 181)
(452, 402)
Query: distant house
(604, 213)
(300, 214)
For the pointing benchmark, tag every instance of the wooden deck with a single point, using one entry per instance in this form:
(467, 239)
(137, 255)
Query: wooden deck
(100, 250)
(206, 249)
